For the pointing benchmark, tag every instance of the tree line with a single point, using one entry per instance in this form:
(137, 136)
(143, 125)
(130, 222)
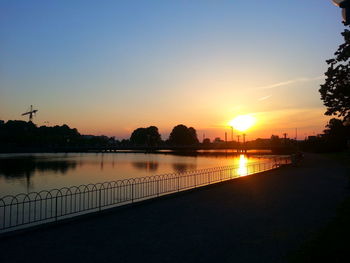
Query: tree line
(22, 134)
(18, 135)
(181, 135)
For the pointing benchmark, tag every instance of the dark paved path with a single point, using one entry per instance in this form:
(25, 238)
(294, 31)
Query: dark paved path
(257, 218)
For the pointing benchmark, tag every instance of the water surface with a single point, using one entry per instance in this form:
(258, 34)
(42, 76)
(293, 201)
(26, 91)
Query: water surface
(23, 173)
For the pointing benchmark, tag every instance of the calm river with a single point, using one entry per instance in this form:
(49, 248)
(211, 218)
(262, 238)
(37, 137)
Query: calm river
(22, 173)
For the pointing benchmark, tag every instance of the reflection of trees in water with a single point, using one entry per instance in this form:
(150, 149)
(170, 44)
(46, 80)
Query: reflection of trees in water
(26, 166)
(101, 163)
(183, 167)
(147, 165)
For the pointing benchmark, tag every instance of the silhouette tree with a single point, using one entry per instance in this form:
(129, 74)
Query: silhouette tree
(337, 134)
(206, 141)
(138, 136)
(275, 140)
(181, 135)
(21, 133)
(335, 92)
(145, 136)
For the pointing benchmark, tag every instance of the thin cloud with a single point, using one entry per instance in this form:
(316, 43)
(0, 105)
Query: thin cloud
(289, 82)
(265, 98)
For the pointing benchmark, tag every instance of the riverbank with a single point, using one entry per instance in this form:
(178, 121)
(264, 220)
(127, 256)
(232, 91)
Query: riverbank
(259, 218)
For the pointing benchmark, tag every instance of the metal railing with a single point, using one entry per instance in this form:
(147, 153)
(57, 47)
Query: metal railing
(22, 210)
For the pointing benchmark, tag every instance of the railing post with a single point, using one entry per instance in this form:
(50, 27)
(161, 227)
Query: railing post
(132, 192)
(99, 199)
(178, 182)
(158, 187)
(56, 206)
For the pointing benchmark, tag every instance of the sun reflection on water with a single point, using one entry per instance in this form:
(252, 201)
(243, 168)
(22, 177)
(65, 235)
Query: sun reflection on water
(243, 165)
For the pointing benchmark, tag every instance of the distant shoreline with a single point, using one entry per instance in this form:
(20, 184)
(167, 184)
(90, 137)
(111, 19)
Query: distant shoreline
(181, 152)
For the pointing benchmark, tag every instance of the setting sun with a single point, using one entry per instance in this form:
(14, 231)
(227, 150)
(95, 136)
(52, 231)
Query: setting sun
(242, 122)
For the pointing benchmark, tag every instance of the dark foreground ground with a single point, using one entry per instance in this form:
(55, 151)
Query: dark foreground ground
(260, 218)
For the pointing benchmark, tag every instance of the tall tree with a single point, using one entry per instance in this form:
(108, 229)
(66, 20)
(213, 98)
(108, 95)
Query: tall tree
(181, 135)
(335, 92)
(146, 136)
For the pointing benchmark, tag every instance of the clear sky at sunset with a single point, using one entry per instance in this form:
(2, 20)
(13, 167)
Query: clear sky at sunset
(109, 67)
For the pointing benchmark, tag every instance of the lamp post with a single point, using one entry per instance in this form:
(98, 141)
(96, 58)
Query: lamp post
(238, 146)
(226, 136)
(244, 146)
(345, 6)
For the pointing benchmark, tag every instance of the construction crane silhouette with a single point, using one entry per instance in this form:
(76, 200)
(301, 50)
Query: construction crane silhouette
(31, 113)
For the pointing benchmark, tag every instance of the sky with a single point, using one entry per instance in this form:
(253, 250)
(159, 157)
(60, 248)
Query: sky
(109, 67)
